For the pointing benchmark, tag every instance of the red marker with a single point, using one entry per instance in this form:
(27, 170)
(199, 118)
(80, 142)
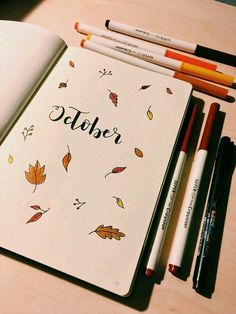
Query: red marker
(186, 213)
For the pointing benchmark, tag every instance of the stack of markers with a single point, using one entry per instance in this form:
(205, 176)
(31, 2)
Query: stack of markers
(202, 75)
(159, 59)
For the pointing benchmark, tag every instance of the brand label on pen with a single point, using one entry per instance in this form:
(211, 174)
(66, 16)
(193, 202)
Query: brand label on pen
(156, 36)
(171, 200)
(127, 43)
(190, 207)
(130, 51)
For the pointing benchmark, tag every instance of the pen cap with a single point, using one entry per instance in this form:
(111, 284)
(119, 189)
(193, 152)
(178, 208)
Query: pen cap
(209, 126)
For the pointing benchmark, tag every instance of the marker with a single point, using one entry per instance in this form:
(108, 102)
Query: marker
(170, 199)
(186, 213)
(197, 84)
(176, 65)
(224, 167)
(140, 44)
(192, 48)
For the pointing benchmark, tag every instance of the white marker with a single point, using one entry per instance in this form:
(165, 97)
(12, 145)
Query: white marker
(186, 213)
(170, 199)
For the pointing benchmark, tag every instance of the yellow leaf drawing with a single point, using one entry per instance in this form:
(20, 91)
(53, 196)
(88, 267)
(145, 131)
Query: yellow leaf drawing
(35, 175)
(149, 114)
(108, 232)
(66, 159)
(10, 159)
(119, 202)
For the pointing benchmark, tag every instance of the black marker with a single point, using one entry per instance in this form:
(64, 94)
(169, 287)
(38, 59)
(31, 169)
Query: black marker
(192, 48)
(224, 166)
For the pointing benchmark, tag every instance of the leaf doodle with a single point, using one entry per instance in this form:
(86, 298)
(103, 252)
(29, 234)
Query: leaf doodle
(66, 159)
(72, 64)
(108, 232)
(119, 202)
(10, 159)
(113, 97)
(144, 87)
(169, 91)
(116, 170)
(38, 215)
(138, 152)
(149, 114)
(36, 174)
(63, 84)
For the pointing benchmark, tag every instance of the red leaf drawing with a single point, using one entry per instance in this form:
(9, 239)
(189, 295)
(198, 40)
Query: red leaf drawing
(113, 97)
(116, 170)
(36, 207)
(35, 217)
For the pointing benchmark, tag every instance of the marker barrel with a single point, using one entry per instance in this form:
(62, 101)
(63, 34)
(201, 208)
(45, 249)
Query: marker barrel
(186, 213)
(150, 36)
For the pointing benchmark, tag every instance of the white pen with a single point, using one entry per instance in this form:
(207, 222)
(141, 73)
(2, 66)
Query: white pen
(86, 29)
(186, 213)
(170, 199)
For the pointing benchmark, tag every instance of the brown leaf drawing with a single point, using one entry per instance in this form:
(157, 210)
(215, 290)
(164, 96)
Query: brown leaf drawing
(113, 97)
(144, 87)
(35, 217)
(36, 174)
(138, 152)
(72, 64)
(108, 232)
(63, 84)
(116, 170)
(66, 159)
(169, 91)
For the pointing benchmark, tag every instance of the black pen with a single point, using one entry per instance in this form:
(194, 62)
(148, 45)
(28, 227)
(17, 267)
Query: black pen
(223, 166)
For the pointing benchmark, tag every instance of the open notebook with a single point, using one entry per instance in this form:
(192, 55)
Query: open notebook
(86, 142)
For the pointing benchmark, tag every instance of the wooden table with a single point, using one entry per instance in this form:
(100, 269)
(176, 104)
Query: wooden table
(26, 289)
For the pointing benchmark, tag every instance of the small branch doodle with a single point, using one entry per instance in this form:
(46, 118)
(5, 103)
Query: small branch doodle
(105, 72)
(27, 131)
(39, 213)
(78, 203)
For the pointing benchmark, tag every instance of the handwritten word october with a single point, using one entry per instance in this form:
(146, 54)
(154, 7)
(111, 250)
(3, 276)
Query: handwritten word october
(77, 122)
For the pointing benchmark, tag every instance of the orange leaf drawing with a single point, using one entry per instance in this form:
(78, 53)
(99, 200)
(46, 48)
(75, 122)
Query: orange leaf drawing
(66, 159)
(108, 232)
(36, 174)
(35, 217)
(138, 152)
